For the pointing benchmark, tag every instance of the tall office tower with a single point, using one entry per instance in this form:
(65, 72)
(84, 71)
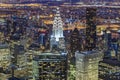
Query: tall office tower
(87, 61)
(50, 66)
(87, 65)
(75, 41)
(57, 31)
(90, 28)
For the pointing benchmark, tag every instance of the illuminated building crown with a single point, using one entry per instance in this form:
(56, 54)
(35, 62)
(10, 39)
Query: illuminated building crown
(57, 26)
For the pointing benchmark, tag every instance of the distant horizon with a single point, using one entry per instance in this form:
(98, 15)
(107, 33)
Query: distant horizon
(40, 1)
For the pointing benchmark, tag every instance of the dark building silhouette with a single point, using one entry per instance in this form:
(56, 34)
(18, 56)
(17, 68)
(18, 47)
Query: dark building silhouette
(109, 67)
(90, 28)
(75, 41)
(115, 45)
(108, 40)
(13, 78)
(8, 25)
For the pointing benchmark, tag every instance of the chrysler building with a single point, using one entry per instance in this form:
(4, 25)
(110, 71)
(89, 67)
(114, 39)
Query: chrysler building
(57, 37)
(57, 26)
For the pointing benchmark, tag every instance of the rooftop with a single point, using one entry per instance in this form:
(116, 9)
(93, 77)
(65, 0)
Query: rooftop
(88, 52)
(49, 56)
(112, 62)
(13, 78)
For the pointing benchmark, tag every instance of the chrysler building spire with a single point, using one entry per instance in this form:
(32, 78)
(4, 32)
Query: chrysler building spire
(57, 38)
(57, 26)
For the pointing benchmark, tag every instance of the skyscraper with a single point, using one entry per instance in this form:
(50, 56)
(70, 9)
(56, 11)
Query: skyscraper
(75, 41)
(57, 38)
(87, 65)
(57, 26)
(87, 61)
(90, 28)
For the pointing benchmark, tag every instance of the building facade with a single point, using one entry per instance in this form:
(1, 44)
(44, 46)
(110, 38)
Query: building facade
(18, 56)
(57, 26)
(28, 61)
(88, 60)
(4, 56)
(90, 28)
(50, 66)
(57, 38)
(1, 37)
(109, 69)
(75, 41)
(87, 65)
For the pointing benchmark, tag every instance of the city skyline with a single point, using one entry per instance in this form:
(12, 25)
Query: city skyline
(59, 40)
